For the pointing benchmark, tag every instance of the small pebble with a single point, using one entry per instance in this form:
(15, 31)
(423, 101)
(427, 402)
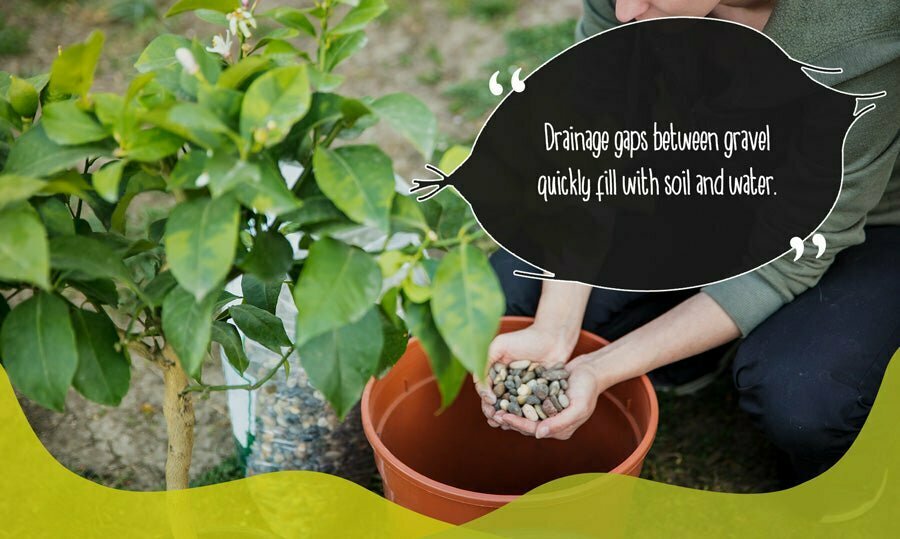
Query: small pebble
(522, 399)
(515, 372)
(496, 405)
(532, 400)
(563, 400)
(501, 372)
(554, 387)
(540, 412)
(510, 384)
(528, 376)
(548, 408)
(532, 367)
(555, 402)
(520, 364)
(542, 381)
(506, 396)
(556, 374)
(529, 412)
(517, 380)
(504, 404)
(524, 390)
(531, 384)
(540, 391)
(514, 408)
(539, 371)
(564, 385)
(499, 389)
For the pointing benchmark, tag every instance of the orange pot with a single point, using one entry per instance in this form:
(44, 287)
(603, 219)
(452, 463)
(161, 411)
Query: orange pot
(455, 467)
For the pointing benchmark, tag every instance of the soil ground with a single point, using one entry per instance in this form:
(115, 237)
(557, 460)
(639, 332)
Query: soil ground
(441, 51)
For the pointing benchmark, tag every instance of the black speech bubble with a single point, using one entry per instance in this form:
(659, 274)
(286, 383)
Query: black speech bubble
(698, 74)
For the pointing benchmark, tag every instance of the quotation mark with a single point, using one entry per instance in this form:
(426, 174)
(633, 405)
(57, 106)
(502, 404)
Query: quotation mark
(797, 245)
(517, 84)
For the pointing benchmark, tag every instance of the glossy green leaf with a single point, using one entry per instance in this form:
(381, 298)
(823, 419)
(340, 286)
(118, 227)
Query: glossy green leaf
(411, 118)
(261, 326)
(39, 349)
(407, 216)
(34, 154)
(187, 325)
(227, 172)
(358, 17)
(101, 291)
(337, 285)
(395, 339)
(270, 195)
(340, 361)
(22, 96)
(222, 6)
(157, 289)
(359, 180)
(273, 103)
(159, 57)
(292, 18)
(106, 180)
(344, 47)
(237, 74)
(24, 254)
(259, 293)
(65, 123)
(56, 216)
(467, 304)
(271, 256)
(188, 169)
(104, 370)
(15, 189)
(227, 335)
(150, 145)
(448, 371)
(73, 69)
(200, 240)
(87, 258)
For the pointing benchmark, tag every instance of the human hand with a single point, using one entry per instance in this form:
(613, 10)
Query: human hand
(584, 389)
(535, 343)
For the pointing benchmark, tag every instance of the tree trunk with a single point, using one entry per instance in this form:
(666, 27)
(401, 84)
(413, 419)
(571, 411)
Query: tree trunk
(179, 412)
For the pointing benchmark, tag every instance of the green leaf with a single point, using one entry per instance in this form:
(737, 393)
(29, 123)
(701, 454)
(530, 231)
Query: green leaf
(23, 97)
(56, 216)
(227, 335)
(407, 216)
(273, 103)
(395, 340)
(447, 213)
(87, 258)
(200, 240)
(24, 255)
(271, 256)
(260, 326)
(150, 145)
(225, 297)
(315, 210)
(358, 17)
(292, 18)
(65, 123)
(222, 6)
(448, 371)
(237, 74)
(189, 167)
(158, 288)
(411, 118)
(15, 189)
(344, 47)
(467, 304)
(227, 173)
(270, 195)
(73, 69)
(159, 57)
(102, 291)
(104, 370)
(259, 293)
(337, 285)
(359, 180)
(106, 180)
(453, 157)
(34, 154)
(187, 325)
(340, 361)
(39, 349)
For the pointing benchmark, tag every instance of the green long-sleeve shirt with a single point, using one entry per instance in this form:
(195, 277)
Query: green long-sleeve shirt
(863, 38)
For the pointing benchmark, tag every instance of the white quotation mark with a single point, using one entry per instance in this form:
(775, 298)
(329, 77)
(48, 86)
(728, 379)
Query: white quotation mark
(797, 245)
(517, 84)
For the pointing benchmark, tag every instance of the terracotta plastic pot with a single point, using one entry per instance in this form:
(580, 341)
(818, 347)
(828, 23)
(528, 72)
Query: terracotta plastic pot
(455, 467)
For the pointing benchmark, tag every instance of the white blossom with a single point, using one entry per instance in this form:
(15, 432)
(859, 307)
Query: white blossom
(187, 61)
(241, 20)
(221, 46)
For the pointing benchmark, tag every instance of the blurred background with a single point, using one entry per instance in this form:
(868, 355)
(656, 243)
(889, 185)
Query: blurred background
(441, 51)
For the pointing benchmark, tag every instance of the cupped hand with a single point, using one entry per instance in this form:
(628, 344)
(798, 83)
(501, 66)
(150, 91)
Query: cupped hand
(534, 343)
(583, 391)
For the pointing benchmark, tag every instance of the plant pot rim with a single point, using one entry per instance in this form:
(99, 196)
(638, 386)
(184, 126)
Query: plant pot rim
(494, 500)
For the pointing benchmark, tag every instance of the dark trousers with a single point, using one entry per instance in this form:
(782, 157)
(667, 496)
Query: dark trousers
(809, 374)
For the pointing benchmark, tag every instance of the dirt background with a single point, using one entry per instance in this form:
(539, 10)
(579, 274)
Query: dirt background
(441, 51)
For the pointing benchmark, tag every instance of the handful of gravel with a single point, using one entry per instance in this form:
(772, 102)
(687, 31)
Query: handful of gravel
(529, 389)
